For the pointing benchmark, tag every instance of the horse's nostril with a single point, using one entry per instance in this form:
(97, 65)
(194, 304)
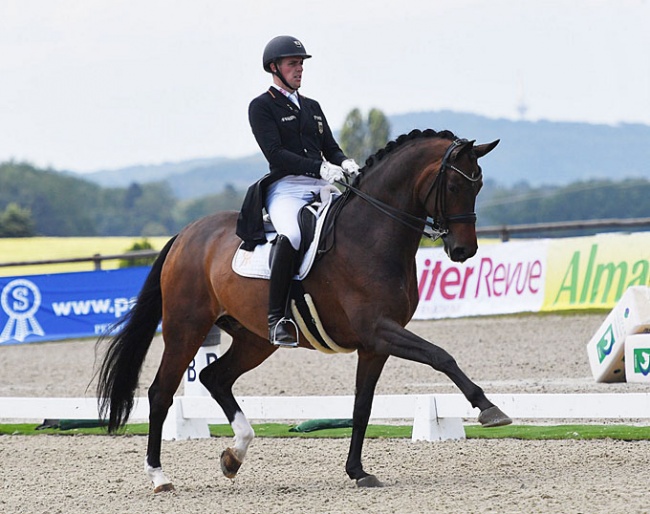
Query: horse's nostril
(459, 254)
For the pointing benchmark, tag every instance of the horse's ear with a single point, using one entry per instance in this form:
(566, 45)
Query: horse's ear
(485, 149)
(464, 147)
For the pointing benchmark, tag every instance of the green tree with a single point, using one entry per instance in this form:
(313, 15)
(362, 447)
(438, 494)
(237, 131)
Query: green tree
(378, 130)
(139, 210)
(360, 138)
(143, 244)
(60, 204)
(133, 193)
(16, 222)
(594, 199)
(353, 136)
(188, 211)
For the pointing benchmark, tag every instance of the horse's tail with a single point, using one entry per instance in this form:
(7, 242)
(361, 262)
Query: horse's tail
(120, 369)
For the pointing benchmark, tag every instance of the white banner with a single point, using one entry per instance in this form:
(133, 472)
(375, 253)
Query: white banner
(499, 279)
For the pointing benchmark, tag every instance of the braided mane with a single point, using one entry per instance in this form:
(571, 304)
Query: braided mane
(404, 138)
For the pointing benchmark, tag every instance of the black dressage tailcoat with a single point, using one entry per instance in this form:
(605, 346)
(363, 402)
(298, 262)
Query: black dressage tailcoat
(295, 141)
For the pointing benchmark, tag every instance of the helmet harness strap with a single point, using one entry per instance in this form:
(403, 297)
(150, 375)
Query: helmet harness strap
(279, 75)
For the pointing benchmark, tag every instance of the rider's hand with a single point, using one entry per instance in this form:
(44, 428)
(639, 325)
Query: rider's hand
(331, 172)
(350, 167)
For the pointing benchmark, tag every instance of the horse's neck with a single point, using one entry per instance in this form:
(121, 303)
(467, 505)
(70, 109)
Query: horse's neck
(376, 231)
(394, 181)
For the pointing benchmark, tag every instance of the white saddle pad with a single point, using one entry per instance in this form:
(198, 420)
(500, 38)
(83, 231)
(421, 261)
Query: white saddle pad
(255, 264)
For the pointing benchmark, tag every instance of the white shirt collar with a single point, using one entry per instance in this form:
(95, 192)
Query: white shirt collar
(291, 96)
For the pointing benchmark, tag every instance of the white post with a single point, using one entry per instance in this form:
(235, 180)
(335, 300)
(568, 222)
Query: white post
(427, 426)
(209, 352)
(176, 426)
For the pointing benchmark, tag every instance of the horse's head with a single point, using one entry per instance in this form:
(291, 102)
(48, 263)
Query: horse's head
(451, 197)
(426, 174)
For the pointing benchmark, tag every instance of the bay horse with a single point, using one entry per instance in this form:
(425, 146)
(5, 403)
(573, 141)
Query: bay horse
(365, 289)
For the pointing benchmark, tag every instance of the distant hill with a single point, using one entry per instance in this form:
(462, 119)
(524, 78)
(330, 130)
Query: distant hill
(545, 152)
(210, 179)
(188, 179)
(537, 153)
(148, 173)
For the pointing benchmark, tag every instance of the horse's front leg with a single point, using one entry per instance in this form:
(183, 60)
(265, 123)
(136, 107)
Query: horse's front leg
(369, 369)
(245, 353)
(233, 456)
(393, 339)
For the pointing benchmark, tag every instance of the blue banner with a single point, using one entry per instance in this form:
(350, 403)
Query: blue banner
(65, 305)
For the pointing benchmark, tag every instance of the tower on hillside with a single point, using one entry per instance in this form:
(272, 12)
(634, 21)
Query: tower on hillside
(522, 107)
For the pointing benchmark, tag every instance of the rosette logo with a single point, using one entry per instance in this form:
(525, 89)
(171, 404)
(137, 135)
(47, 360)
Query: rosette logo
(20, 300)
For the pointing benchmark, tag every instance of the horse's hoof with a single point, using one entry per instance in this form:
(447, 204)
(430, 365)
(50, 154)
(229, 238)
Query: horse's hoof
(369, 481)
(163, 488)
(230, 464)
(493, 417)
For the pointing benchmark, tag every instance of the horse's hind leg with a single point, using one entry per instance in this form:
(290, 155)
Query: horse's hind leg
(175, 360)
(246, 352)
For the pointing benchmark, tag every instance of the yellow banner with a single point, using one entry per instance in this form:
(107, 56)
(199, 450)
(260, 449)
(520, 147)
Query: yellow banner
(594, 272)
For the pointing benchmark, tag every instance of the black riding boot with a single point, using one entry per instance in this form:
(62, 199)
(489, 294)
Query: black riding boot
(282, 270)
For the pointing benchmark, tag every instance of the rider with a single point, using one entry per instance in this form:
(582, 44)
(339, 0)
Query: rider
(303, 156)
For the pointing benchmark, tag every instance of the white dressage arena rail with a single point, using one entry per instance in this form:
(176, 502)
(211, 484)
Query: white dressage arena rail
(436, 417)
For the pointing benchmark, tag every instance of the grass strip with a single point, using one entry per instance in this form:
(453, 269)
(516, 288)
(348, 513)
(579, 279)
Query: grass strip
(526, 432)
(547, 432)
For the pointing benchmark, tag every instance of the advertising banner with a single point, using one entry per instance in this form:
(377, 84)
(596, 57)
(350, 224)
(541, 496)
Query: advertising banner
(65, 305)
(502, 278)
(594, 272)
(499, 279)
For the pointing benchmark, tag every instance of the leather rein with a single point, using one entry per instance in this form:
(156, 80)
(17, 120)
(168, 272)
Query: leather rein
(438, 227)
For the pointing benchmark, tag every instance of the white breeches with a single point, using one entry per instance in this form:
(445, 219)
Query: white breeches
(285, 198)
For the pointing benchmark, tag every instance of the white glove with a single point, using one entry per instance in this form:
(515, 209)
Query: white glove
(350, 167)
(331, 172)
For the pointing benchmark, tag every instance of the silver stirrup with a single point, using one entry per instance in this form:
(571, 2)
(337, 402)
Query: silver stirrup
(280, 343)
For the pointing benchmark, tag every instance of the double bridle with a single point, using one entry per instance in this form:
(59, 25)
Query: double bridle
(439, 227)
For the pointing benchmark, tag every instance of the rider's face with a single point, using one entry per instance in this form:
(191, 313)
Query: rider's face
(291, 70)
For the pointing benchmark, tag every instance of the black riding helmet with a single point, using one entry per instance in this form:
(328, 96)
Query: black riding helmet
(279, 47)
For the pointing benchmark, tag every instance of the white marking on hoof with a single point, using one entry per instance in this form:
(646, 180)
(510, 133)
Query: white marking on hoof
(244, 435)
(158, 478)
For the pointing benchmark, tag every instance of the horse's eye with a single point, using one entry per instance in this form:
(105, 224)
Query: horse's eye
(453, 189)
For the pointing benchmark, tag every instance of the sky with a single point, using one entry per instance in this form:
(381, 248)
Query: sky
(88, 85)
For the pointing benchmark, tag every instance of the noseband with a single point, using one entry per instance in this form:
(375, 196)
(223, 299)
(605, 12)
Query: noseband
(439, 224)
(439, 184)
